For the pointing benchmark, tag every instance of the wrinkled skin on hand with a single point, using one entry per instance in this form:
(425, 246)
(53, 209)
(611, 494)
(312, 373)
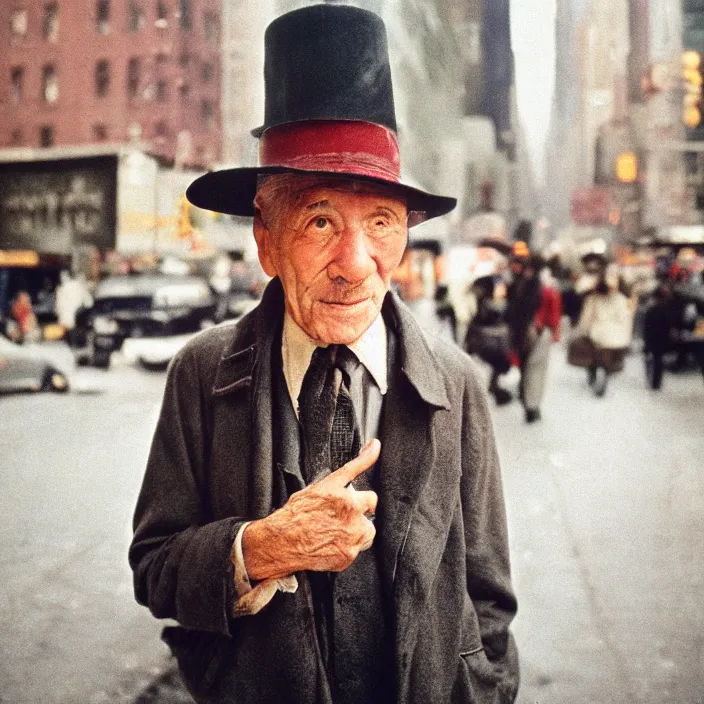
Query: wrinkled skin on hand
(321, 528)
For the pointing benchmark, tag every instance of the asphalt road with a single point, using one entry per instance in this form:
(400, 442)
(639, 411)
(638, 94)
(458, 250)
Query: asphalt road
(70, 631)
(606, 512)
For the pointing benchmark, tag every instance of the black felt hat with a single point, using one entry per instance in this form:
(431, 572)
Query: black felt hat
(329, 110)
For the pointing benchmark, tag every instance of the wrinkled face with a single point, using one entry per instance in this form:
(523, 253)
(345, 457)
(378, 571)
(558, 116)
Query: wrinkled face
(334, 250)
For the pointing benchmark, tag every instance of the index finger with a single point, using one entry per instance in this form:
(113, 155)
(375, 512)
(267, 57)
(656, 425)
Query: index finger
(368, 455)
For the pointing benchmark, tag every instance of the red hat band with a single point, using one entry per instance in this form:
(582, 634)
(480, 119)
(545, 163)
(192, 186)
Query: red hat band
(338, 146)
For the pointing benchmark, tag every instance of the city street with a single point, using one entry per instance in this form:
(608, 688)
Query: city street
(605, 500)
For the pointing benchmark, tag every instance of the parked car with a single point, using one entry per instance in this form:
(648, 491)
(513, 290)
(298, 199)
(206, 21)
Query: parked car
(25, 368)
(149, 317)
(240, 290)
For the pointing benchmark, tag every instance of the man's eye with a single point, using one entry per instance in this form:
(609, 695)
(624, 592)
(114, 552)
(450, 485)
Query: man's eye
(321, 223)
(380, 225)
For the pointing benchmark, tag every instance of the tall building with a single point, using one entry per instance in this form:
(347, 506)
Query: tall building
(243, 76)
(76, 72)
(562, 157)
(499, 72)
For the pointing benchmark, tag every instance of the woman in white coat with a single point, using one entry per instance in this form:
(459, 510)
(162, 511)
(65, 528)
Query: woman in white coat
(607, 320)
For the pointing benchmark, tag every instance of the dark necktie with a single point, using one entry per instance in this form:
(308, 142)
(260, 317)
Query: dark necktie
(330, 433)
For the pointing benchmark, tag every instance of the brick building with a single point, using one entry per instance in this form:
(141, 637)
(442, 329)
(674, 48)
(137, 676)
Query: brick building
(76, 72)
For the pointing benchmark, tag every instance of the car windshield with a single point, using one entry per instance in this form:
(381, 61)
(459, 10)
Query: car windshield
(144, 292)
(104, 306)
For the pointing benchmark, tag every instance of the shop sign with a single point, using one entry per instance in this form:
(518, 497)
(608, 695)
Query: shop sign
(54, 206)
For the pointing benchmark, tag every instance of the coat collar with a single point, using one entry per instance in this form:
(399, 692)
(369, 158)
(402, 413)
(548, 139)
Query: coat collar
(240, 356)
(418, 364)
(250, 336)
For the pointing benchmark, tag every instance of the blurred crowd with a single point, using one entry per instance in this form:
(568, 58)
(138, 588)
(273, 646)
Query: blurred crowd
(515, 303)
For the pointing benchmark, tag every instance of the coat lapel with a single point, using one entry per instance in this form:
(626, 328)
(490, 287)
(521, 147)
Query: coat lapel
(415, 490)
(246, 364)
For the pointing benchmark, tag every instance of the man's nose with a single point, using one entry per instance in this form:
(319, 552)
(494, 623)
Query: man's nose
(352, 259)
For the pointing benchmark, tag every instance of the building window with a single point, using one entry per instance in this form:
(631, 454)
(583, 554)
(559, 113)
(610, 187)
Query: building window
(161, 90)
(102, 78)
(184, 91)
(100, 133)
(17, 84)
(206, 112)
(102, 16)
(17, 138)
(46, 136)
(210, 28)
(50, 24)
(134, 70)
(18, 23)
(185, 60)
(50, 84)
(161, 129)
(207, 72)
(135, 17)
(162, 15)
(186, 20)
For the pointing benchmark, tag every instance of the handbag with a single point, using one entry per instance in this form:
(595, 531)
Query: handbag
(581, 351)
(611, 359)
(490, 343)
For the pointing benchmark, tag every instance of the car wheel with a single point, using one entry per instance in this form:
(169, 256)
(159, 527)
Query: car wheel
(54, 380)
(153, 366)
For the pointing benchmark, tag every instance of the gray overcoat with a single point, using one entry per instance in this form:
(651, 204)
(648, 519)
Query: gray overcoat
(442, 539)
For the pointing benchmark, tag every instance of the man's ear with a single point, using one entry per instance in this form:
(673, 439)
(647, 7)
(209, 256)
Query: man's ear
(262, 236)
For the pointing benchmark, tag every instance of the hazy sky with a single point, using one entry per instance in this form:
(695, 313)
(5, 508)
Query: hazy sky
(533, 39)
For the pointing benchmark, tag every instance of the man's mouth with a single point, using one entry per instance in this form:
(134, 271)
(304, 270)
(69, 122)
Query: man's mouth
(346, 303)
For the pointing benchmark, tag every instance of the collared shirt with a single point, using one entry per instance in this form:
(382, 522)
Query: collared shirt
(368, 385)
(368, 382)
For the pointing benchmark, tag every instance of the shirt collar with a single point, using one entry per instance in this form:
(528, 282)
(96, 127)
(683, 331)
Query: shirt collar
(297, 348)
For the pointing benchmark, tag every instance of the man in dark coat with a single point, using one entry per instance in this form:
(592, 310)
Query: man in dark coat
(322, 510)
(523, 301)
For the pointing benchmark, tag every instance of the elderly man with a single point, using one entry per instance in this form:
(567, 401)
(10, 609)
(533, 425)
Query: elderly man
(322, 510)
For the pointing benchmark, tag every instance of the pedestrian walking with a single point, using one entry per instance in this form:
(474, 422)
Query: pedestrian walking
(488, 336)
(321, 511)
(72, 294)
(25, 327)
(523, 301)
(547, 323)
(658, 325)
(607, 321)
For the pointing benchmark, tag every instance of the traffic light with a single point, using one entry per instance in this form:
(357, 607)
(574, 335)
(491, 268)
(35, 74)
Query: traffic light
(692, 99)
(627, 167)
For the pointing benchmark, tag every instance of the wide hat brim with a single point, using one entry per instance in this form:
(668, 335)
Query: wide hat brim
(329, 111)
(232, 191)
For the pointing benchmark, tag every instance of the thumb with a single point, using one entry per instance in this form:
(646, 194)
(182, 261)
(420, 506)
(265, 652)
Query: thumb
(367, 456)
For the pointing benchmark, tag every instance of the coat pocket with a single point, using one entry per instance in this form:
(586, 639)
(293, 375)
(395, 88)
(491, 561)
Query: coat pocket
(199, 655)
(477, 680)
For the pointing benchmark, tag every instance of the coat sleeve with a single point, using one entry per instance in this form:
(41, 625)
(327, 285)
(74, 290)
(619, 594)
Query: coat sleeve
(179, 557)
(487, 552)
